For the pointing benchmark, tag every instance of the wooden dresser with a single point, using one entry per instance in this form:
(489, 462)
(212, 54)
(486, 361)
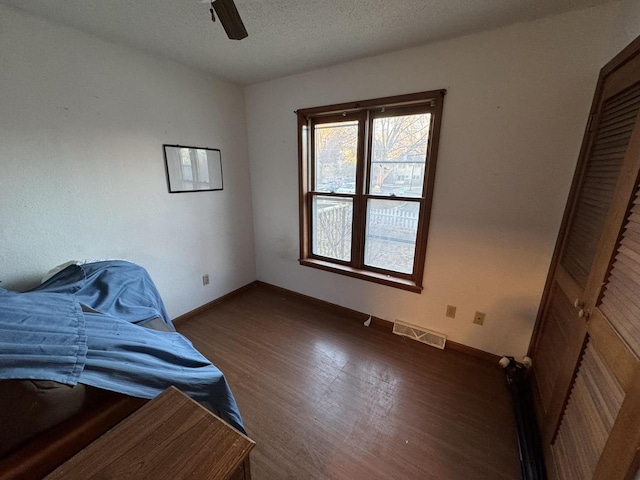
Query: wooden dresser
(171, 437)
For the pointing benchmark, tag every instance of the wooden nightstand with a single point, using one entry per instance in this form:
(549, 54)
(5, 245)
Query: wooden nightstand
(171, 437)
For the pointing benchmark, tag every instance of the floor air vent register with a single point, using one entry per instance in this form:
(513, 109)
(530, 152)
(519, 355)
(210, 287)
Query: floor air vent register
(420, 334)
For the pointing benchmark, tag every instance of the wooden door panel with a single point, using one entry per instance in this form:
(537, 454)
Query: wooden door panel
(601, 177)
(560, 327)
(592, 409)
(620, 300)
(617, 460)
(621, 211)
(614, 336)
(607, 398)
(567, 360)
(613, 131)
(616, 326)
(621, 73)
(612, 348)
(568, 286)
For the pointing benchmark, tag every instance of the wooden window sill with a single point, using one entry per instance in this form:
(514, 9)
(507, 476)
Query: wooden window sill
(375, 277)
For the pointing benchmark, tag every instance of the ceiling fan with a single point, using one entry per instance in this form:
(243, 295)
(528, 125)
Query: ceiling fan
(229, 17)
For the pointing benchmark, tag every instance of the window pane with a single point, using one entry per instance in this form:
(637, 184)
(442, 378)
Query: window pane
(203, 168)
(390, 242)
(186, 169)
(305, 149)
(332, 218)
(336, 150)
(399, 148)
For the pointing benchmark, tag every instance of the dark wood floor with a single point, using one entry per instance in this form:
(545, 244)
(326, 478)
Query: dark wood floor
(326, 398)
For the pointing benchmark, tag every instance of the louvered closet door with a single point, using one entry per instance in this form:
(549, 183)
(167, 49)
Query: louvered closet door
(592, 409)
(567, 387)
(599, 432)
(614, 324)
(563, 330)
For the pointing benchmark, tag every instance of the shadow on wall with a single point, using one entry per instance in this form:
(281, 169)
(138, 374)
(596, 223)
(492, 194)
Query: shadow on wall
(519, 320)
(26, 283)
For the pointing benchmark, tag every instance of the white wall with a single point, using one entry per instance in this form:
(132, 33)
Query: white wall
(627, 25)
(82, 123)
(514, 115)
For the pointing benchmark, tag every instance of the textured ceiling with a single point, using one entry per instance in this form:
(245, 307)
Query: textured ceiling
(287, 36)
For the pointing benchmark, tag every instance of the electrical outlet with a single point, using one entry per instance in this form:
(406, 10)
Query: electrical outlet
(205, 279)
(451, 311)
(478, 318)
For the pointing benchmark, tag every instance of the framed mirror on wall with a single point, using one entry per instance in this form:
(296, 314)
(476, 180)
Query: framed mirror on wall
(192, 169)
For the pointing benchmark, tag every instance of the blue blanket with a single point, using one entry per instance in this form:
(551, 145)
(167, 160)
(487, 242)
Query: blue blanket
(85, 325)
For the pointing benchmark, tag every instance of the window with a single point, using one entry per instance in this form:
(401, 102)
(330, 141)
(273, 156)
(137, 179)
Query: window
(366, 181)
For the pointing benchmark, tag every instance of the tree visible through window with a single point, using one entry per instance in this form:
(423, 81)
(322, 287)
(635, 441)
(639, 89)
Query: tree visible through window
(366, 175)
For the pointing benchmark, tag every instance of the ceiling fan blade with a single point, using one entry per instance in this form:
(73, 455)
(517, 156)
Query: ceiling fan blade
(230, 18)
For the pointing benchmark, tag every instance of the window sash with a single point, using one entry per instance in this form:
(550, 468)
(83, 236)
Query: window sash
(398, 223)
(395, 112)
(312, 197)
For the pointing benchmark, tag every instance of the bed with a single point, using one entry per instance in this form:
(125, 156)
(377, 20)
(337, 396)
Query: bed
(96, 333)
